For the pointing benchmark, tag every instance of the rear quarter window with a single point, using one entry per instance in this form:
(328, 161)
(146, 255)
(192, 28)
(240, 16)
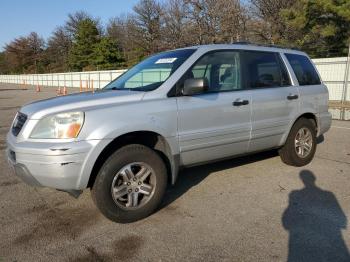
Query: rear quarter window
(303, 70)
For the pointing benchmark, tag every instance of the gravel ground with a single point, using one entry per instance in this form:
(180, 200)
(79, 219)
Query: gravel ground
(246, 209)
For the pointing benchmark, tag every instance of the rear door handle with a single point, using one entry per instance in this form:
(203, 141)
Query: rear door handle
(291, 97)
(240, 102)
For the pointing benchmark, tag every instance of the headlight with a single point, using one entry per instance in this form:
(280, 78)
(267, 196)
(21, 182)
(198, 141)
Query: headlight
(64, 125)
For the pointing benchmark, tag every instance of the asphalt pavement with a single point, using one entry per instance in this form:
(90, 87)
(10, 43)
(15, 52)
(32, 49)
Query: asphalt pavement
(248, 209)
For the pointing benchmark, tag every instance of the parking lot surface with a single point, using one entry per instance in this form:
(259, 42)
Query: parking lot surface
(248, 209)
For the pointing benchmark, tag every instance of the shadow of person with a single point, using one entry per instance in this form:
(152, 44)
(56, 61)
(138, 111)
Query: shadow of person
(314, 220)
(191, 177)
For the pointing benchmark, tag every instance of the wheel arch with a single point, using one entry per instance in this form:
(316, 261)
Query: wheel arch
(150, 139)
(310, 116)
(307, 115)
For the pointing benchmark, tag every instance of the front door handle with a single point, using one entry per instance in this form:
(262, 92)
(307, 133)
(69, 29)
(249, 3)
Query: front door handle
(240, 102)
(291, 97)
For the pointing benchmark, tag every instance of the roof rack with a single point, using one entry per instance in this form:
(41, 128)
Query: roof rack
(264, 45)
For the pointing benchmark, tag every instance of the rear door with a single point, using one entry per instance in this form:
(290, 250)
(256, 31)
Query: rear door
(216, 123)
(274, 100)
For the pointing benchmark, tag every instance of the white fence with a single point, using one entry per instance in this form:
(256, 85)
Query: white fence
(95, 79)
(334, 72)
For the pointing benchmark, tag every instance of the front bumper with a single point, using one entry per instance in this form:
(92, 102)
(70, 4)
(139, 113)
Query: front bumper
(64, 166)
(23, 173)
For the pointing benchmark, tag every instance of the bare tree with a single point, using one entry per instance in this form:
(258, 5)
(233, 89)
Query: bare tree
(24, 54)
(57, 50)
(124, 31)
(149, 22)
(177, 24)
(269, 22)
(216, 21)
(72, 23)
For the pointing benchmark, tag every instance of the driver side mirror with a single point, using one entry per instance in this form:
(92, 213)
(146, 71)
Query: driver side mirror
(194, 86)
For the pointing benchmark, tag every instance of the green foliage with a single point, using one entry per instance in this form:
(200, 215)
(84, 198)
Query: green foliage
(106, 55)
(84, 44)
(319, 27)
(91, 51)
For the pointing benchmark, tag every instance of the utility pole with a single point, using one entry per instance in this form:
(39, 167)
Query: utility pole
(345, 86)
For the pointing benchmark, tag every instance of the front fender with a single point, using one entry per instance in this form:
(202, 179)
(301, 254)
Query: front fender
(105, 125)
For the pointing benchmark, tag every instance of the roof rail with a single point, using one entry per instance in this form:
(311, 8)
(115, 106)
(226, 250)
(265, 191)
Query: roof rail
(264, 45)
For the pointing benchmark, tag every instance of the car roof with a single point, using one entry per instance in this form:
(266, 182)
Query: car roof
(246, 46)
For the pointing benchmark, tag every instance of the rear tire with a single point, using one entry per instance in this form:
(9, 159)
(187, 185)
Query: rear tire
(130, 184)
(300, 146)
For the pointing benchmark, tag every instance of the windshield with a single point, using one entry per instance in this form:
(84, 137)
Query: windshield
(151, 72)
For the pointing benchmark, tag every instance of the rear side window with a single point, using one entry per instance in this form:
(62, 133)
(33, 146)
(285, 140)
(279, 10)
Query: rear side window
(303, 70)
(264, 69)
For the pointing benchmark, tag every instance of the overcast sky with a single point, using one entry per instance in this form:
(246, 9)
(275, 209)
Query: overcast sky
(20, 17)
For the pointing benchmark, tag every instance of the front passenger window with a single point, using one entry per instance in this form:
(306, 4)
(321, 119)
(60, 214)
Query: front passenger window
(220, 69)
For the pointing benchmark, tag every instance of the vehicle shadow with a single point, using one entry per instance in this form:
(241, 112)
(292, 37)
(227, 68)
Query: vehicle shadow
(191, 177)
(320, 139)
(314, 220)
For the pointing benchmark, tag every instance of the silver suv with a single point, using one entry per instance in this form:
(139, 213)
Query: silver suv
(175, 109)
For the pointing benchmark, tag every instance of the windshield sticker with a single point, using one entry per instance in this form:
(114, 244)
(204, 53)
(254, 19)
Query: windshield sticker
(166, 60)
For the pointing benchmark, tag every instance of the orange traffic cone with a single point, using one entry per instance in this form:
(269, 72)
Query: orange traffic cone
(81, 86)
(65, 90)
(38, 88)
(92, 86)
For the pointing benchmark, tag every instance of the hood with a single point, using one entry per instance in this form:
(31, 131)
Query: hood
(80, 101)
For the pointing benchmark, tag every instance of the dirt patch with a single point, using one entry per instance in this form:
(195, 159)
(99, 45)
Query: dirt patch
(6, 98)
(13, 89)
(9, 183)
(92, 256)
(59, 203)
(2, 145)
(66, 223)
(176, 211)
(37, 208)
(4, 130)
(339, 104)
(124, 249)
(9, 107)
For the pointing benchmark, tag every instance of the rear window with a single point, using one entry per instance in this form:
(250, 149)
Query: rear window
(303, 70)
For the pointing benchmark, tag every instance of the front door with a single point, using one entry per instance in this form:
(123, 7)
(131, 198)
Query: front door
(216, 123)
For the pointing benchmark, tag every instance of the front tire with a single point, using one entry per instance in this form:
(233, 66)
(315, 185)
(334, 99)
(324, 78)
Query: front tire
(130, 184)
(300, 146)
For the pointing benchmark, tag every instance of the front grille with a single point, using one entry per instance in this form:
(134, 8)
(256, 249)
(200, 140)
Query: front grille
(18, 123)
